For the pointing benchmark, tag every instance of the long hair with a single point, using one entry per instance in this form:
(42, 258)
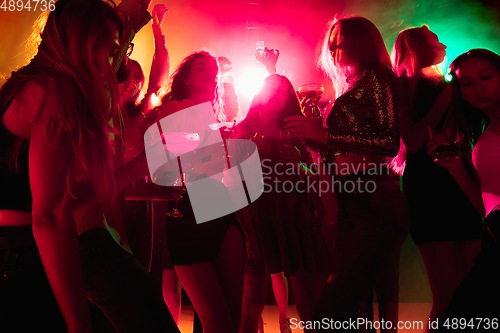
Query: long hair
(179, 90)
(363, 47)
(73, 62)
(471, 121)
(291, 104)
(134, 105)
(410, 54)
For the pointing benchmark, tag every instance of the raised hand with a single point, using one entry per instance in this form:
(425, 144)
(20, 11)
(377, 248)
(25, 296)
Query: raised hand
(269, 58)
(158, 13)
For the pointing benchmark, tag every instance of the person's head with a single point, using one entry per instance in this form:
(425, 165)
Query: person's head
(76, 57)
(476, 77)
(275, 101)
(415, 49)
(476, 90)
(198, 72)
(76, 39)
(131, 88)
(351, 45)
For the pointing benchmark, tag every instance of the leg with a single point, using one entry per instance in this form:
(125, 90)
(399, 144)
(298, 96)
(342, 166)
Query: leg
(122, 288)
(469, 250)
(197, 328)
(387, 290)
(366, 312)
(201, 284)
(280, 289)
(172, 288)
(230, 269)
(361, 269)
(375, 226)
(254, 299)
(477, 294)
(307, 290)
(443, 263)
(215, 288)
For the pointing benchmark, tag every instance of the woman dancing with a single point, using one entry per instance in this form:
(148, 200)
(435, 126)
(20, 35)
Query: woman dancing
(363, 131)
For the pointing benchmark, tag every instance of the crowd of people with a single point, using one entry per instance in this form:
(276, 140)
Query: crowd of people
(81, 249)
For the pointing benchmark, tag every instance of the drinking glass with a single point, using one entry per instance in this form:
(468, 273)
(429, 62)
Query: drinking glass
(448, 141)
(259, 49)
(309, 96)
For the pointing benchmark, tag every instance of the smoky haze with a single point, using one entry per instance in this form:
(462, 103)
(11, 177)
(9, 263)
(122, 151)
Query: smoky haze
(296, 28)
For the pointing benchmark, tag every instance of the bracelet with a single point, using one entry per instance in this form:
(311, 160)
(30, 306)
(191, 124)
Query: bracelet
(131, 185)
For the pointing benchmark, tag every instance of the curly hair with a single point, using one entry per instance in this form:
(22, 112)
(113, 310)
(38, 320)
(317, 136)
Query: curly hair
(179, 90)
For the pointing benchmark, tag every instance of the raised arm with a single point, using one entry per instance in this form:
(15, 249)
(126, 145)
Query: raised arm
(269, 58)
(160, 67)
(134, 15)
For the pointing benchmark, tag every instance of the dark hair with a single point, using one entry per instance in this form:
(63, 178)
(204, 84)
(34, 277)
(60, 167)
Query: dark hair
(73, 60)
(179, 90)
(471, 120)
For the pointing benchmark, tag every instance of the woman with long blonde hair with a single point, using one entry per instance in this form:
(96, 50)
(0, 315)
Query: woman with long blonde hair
(448, 238)
(363, 131)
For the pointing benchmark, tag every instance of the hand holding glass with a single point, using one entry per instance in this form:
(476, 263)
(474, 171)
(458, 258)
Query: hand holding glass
(309, 95)
(447, 141)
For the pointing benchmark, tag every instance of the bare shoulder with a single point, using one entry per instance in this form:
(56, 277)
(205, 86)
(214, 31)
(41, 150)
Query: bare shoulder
(25, 108)
(495, 125)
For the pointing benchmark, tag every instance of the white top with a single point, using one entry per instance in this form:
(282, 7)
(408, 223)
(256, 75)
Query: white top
(486, 158)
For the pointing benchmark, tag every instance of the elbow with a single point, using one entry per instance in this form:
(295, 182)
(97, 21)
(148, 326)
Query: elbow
(47, 218)
(44, 220)
(43, 224)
